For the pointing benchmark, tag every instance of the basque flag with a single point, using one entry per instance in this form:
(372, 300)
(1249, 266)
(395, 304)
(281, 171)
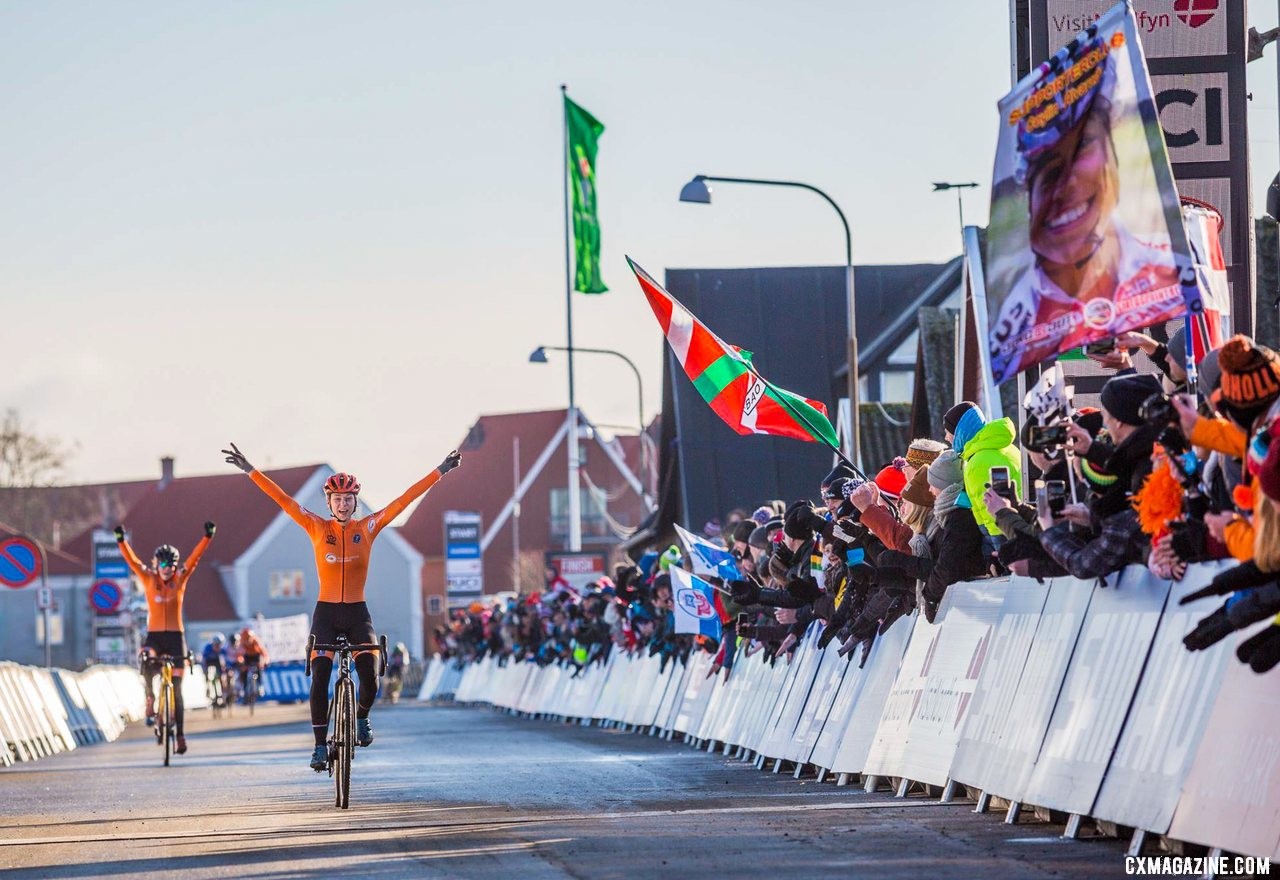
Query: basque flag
(708, 559)
(695, 604)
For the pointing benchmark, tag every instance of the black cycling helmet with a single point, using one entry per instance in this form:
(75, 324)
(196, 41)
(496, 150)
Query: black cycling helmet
(167, 556)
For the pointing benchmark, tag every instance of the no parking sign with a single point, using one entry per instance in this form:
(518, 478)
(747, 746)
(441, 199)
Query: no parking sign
(19, 562)
(105, 597)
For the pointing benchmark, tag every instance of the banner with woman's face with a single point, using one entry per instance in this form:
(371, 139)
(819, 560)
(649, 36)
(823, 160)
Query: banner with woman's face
(1086, 238)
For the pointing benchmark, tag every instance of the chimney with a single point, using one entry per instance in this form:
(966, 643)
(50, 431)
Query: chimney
(166, 471)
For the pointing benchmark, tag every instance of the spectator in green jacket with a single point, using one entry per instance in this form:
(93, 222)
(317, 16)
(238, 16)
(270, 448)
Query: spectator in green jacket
(981, 446)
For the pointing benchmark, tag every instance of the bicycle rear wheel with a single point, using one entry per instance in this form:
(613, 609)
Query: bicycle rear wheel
(166, 708)
(345, 740)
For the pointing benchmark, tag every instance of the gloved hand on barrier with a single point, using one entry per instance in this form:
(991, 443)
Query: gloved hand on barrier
(1261, 650)
(1240, 577)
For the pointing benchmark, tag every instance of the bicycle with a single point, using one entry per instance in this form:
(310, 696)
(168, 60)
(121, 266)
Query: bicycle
(252, 682)
(165, 724)
(213, 689)
(342, 710)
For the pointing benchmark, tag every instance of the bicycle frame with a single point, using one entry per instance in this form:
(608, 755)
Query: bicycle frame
(341, 719)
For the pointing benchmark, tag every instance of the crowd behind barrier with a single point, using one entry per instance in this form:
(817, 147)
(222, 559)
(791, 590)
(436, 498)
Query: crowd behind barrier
(47, 711)
(1063, 695)
(1092, 641)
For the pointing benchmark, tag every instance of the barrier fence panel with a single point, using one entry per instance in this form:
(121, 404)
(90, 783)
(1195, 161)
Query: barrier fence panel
(1169, 714)
(1101, 679)
(992, 706)
(889, 746)
(805, 664)
(772, 678)
(826, 684)
(1012, 751)
(696, 695)
(952, 670)
(1231, 796)
(874, 682)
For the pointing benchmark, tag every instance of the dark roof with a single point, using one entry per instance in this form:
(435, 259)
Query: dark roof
(72, 508)
(176, 515)
(888, 302)
(886, 433)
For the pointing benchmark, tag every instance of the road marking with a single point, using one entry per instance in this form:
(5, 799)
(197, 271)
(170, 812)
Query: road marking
(495, 824)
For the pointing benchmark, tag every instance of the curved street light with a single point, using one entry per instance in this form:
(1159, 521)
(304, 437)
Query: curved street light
(698, 192)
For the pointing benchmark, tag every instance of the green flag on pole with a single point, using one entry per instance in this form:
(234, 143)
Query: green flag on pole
(584, 132)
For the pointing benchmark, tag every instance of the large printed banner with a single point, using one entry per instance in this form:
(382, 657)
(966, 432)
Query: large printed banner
(1086, 238)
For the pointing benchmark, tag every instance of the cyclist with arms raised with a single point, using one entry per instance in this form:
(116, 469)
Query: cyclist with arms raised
(342, 545)
(165, 583)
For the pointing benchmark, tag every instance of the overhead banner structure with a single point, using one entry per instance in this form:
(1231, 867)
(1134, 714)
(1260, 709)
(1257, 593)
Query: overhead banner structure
(463, 561)
(1086, 238)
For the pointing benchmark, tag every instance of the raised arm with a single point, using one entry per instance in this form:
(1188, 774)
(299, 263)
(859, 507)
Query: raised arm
(130, 558)
(295, 510)
(417, 490)
(193, 559)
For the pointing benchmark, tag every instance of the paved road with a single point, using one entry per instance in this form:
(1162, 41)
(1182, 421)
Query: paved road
(458, 792)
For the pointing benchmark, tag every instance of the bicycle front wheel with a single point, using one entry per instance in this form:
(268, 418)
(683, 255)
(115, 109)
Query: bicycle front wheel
(345, 740)
(166, 708)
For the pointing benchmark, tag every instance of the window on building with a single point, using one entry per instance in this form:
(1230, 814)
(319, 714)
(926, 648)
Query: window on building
(591, 510)
(897, 386)
(435, 604)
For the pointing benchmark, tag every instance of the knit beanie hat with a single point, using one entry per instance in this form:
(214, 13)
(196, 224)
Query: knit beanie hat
(953, 416)
(760, 537)
(1122, 396)
(1177, 346)
(742, 530)
(946, 470)
(917, 491)
(840, 470)
(923, 450)
(1250, 374)
(891, 480)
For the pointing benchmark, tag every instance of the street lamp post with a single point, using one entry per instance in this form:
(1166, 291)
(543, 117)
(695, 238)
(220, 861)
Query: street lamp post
(696, 191)
(539, 356)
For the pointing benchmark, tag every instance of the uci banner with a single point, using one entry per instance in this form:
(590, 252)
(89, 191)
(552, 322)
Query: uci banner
(1086, 235)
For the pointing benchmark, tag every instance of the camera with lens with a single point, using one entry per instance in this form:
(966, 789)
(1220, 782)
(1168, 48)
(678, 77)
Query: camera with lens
(1158, 410)
(1047, 439)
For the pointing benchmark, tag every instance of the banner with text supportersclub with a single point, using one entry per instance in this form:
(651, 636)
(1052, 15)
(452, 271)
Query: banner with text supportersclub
(1086, 238)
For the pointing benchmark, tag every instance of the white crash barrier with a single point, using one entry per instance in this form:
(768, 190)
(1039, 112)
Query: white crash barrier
(44, 712)
(1067, 695)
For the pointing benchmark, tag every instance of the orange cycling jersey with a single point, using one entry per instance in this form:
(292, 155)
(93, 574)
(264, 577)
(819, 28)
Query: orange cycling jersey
(164, 598)
(251, 646)
(342, 549)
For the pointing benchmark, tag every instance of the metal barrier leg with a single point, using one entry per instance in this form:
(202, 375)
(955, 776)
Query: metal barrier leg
(871, 784)
(799, 770)
(903, 785)
(822, 773)
(1015, 811)
(1136, 843)
(777, 765)
(984, 803)
(842, 780)
(1072, 831)
(949, 792)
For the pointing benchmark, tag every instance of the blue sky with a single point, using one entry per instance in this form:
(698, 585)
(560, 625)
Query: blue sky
(333, 231)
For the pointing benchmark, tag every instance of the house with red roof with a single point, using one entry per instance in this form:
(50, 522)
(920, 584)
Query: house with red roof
(259, 563)
(514, 475)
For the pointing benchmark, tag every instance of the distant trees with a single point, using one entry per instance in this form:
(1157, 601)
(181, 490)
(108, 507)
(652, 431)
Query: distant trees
(31, 465)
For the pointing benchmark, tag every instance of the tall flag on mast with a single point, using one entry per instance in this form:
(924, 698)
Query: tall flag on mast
(584, 134)
(728, 381)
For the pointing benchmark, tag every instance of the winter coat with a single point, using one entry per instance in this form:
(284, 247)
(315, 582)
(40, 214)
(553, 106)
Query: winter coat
(983, 445)
(957, 552)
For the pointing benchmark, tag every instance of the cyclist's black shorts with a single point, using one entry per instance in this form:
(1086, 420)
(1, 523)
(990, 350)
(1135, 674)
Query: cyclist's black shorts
(350, 619)
(168, 642)
(252, 660)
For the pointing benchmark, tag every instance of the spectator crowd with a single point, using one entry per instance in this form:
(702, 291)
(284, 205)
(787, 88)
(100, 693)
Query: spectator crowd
(1171, 469)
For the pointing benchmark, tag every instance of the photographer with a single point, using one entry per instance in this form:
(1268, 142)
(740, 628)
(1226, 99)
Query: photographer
(1114, 538)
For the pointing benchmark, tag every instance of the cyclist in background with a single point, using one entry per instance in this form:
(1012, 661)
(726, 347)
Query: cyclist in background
(342, 546)
(215, 659)
(165, 583)
(253, 656)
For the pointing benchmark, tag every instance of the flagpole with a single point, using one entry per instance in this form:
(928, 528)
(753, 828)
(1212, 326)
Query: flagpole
(575, 512)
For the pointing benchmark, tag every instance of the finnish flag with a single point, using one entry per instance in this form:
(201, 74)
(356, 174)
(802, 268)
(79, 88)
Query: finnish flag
(695, 604)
